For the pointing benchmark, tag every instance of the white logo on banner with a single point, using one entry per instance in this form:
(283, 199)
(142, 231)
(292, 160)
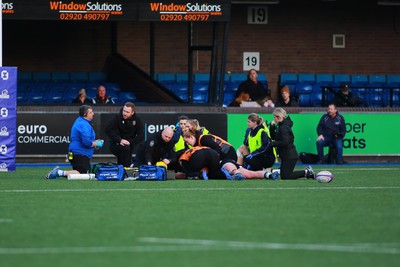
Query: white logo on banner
(4, 112)
(3, 167)
(4, 131)
(4, 75)
(4, 94)
(3, 149)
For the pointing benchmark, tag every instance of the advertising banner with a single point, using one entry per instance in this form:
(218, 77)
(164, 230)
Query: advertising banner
(8, 115)
(197, 10)
(49, 134)
(367, 134)
(115, 10)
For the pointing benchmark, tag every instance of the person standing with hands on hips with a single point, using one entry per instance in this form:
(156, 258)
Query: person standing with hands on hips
(283, 139)
(126, 132)
(82, 145)
(331, 130)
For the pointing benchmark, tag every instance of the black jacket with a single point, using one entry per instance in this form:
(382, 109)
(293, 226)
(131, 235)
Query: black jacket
(131, 129)
(283, 139)
(256, 91)
(332, 126)
(156, 149)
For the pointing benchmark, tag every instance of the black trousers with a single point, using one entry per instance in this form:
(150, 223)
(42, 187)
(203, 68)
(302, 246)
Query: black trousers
(287, 167)
(204, 158)
(123, 154)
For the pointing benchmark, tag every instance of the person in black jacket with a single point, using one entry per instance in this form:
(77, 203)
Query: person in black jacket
(255, 88)
(126, 132)
(331, 129)
(158, 147)
(286, 100)
(283, 139)
(344, 98)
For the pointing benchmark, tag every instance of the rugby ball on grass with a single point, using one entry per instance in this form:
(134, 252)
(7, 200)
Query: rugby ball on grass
(324, 177)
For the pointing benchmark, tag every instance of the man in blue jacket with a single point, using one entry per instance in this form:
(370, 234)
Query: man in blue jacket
(82, 145)
(331, 130)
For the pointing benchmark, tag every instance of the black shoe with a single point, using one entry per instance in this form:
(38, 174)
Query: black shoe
(310, 172)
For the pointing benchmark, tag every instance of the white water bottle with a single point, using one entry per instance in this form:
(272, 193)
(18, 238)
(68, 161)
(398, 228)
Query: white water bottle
(82, 176)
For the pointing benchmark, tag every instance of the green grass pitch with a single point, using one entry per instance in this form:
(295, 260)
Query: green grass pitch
(352, 221)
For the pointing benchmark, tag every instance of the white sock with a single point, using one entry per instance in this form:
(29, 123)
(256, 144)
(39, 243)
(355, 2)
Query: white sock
(61, 173)
(239, 154)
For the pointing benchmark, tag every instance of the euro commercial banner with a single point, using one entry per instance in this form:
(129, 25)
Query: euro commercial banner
(49, 134)
(367, 133)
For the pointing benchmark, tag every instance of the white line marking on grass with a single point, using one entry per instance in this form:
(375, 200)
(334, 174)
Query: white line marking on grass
(352, 248)
(179, 245)
(359, 169)
(71, 250)
(199, 189)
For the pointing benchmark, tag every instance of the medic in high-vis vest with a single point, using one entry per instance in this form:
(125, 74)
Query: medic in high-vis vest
(261, 153)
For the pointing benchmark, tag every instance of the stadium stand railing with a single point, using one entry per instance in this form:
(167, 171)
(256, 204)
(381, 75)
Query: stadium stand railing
(316, 90)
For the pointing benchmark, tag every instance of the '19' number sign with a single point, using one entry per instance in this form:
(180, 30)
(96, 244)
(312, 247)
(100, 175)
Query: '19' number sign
(251, 60)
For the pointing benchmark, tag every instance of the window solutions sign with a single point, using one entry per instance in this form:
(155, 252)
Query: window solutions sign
(112, 10)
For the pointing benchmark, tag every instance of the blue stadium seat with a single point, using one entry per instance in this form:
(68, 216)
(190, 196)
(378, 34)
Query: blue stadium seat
(316, 99)
(200, 97)
(359, 79)
(70, 95)
(35, 97)
(377, 79)
(228, 98)
(23, 86)
(395, 97)
(91, 86)
(112, 87)
(339, 79)
(238, 77)
(182, 78)
(79, 76)
(262, 77)
(126, 96)
(41, 76)
(305, 100)
(38, 87)
(375, 98)
(60, 76)
(233, 86)
(179, 88)
(21, 97)
(324, 79)
(182, 95)
(24, 76)
(306, 78)
(203, 78)
(393, 80)
(75, 86)
(287, 79)
(54, 97)
(57, 87)
(166, 78)
(302, 88)
(97, 76)
(200, 87)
